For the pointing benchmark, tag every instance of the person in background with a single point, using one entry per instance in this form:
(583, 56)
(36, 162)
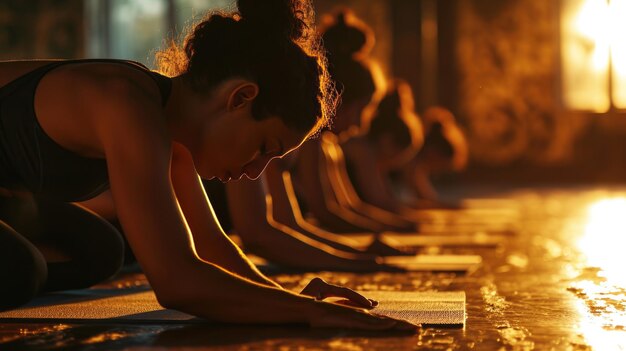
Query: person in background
(246, 88)
(405, 155)
(265, 215)
(320, 173)
(445, 150)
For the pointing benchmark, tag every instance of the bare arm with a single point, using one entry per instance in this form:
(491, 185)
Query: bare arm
(139, 154)
(319, 197)
(250, 209)
(286, 211)
(121, 119)
(337, 176)
(210, 241)
(367, 179)
(373, 185)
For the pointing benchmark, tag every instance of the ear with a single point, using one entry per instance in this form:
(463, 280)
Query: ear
(242, 95)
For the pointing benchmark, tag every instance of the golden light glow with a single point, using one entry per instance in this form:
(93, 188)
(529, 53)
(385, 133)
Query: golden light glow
(592, 40)
(601, 302)
(596, 331)
(604, 240)
(618, 52)
(585, 55)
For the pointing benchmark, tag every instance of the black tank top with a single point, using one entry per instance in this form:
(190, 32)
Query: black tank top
(30, 160)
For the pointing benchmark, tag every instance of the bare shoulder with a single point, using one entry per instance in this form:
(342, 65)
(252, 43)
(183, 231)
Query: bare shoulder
(108, 81)
(11, 70)
(81, 104)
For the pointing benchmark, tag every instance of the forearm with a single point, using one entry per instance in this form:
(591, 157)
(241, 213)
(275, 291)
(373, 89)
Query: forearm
(210, 242)
(283, 245)
(208, 291)
(390, 220)
(222, 251)
(337, 241)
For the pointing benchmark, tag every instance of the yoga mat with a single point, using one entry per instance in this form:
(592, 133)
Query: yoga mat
(483, 240)
(97, 305)
(428, 308)
(131, 306)
(435, 263)
(416, 263)
(362, 241)
(456, 229)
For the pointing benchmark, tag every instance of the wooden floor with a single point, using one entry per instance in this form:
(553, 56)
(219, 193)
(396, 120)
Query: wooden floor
(557, 283)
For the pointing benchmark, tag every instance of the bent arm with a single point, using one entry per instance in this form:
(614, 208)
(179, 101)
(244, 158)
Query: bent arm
(319, 197)
(286, 211)
(210, 241)
(279, 243)
(138, 153)
(338, 178)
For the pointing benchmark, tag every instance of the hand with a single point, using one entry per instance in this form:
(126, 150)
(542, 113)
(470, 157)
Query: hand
(329, 315)
(319, 289)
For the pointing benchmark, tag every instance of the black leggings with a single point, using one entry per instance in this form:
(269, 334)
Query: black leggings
(27, 225)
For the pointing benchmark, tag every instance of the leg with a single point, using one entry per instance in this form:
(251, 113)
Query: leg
(22, 269)
(94, 246)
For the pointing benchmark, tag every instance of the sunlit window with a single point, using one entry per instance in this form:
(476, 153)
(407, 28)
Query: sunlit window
(593, 48)
(135, 29)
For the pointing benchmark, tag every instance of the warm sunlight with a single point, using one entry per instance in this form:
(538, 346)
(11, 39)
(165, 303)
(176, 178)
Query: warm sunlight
(604, 239)
(601, 302)
(592, 41)
(618, 52)
(600, 330)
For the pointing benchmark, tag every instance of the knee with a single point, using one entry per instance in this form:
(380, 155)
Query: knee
(22, 277)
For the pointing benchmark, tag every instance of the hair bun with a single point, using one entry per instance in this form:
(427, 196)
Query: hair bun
(346, 35)
(292, 18)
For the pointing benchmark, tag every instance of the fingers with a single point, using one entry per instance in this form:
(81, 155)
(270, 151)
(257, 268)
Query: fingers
(313, 289)
(352, 304)
(319, 289)
(353, 296)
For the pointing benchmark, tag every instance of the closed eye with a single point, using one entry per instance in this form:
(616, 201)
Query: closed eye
(276, 151)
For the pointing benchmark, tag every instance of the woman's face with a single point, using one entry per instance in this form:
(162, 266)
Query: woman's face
(235, 144)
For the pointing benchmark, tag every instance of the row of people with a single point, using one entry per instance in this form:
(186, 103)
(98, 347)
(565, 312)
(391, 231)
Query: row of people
(343, 177)
(244, 89)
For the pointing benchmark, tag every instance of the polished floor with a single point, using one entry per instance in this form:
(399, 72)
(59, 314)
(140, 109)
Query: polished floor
(557, 283)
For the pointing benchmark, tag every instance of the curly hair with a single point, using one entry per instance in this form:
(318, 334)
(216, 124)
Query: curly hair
(271, 42)
(349, 41)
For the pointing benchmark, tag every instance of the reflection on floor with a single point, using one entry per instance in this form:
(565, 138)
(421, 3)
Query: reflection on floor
(555, 283)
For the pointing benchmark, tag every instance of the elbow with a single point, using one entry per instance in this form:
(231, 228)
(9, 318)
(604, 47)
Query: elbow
(175, 291)
(168, 300)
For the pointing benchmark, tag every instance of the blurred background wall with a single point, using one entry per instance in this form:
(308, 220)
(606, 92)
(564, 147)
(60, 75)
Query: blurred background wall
(41, 28)
(538, 86)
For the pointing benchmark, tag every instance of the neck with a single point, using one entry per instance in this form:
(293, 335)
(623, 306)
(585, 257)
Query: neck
(187, 113)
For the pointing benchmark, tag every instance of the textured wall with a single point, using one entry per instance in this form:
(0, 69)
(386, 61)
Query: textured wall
(509, 99)
(41, 29)
(507, 54)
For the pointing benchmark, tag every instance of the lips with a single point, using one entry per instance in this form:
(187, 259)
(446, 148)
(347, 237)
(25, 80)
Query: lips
(225, 177)
(228, 176)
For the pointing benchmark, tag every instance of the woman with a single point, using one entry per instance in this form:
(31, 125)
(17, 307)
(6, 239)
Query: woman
(445, 150)
(405, 157)
(321, 175)
(250, 87)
